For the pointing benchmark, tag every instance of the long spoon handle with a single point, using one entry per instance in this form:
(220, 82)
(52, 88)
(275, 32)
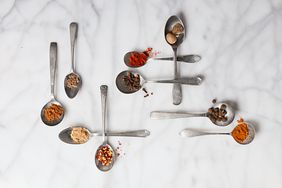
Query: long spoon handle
(194, 133)
(186, 81)
(104, 92)
(53, 65)
(176, 90)
(174, 115)
(184, 58)
(137, 133)
(73, 37)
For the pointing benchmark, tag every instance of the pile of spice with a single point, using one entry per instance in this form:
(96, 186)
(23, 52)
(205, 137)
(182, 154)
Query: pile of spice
(79, 135)
(132, 81)
(173, 35)
(105, 155)
(72, 81)
(53, 113)
(137, 59)
(241, 132)
(218, 114)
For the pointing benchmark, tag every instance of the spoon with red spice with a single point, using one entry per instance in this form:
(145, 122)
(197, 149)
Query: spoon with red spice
(243, 133)
(130, 82)
(53, 112)
(105, 155)
(136, 59)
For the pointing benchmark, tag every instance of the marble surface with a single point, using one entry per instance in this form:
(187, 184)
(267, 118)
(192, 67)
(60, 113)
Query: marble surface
(240, 43)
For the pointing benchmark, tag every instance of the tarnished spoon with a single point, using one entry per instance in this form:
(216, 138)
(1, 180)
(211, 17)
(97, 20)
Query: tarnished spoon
(53, 66)
(73, 80)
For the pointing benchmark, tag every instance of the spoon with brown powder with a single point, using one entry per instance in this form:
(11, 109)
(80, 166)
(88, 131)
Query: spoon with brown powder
(53, 112)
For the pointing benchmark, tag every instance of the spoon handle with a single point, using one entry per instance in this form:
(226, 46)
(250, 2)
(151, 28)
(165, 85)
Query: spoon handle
(184, 58)
(194, 133)
(174, 115)
(73, 37)
(176, 90)
(53, 64)
(186, 81)
(137, 133)
(104, 92)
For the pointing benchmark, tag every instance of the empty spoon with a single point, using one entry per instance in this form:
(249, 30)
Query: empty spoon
(194, 133)
(184, 59)
(73, 80)
(174, 43)
(53, 109)
(66, 134)
(105, 151)
(130, 82)
(173, 115)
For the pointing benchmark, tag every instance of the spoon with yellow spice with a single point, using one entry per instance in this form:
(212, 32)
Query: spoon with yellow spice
(243, 133)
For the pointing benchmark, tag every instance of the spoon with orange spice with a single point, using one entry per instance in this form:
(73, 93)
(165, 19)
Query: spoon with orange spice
(136, 59)
(243, 133)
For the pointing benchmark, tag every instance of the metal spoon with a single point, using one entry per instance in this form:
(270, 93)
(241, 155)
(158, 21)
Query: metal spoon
(177, 91)
(53, 66)
(104, 91)
(121, 85)
(183, 59)
(72, 90)
(65, 135)
(194, 133)
(174, 115)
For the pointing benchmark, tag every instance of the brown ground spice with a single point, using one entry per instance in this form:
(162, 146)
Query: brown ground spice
(53, 112)
(241, 131)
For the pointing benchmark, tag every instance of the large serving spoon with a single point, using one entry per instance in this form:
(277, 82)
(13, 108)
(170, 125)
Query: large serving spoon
(183, 59)
(53, 66)
(176, 91)
(100, 166)
(72, 90)
(174, 115)
(194, 133)
(65, 135)
(121, 85)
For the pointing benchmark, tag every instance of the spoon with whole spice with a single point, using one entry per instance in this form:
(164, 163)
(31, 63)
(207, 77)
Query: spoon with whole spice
(81, 134)
(174, 34)
(243, 133)
(53, 112)
(73, 80)
(105, 156)
(144, 57)
(220, 114)
(130, 82)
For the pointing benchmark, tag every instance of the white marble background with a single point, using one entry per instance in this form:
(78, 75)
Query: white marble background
(240, 43)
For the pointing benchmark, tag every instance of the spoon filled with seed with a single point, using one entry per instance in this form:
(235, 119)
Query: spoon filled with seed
(130, 82)
(220, 114)
(53, 112)
(73, 80)
(243, 133)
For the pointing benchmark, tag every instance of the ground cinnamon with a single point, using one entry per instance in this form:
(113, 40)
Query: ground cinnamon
(241, 131)
(53, 113)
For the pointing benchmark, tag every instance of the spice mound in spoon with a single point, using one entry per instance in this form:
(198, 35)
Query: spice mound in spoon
(241, 131)
(105, 155)
(79, 135)
(53, 113)
(218, 114)
(132, 81)
(175, 33)
(72, 81)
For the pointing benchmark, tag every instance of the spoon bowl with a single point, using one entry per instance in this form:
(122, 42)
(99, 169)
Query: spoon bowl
(99, 165)
(251, 135)
(171, 22)
(229, 115)
(72, 84)
(45, 107)
(123, 87)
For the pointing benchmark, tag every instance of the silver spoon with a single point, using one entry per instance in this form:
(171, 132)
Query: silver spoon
(65, 135)
(73, 80)
(174, 115)
(53, 66)
(194, 133)
(124, 88)
(184, 59)
(100, 166)
(172, 21)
